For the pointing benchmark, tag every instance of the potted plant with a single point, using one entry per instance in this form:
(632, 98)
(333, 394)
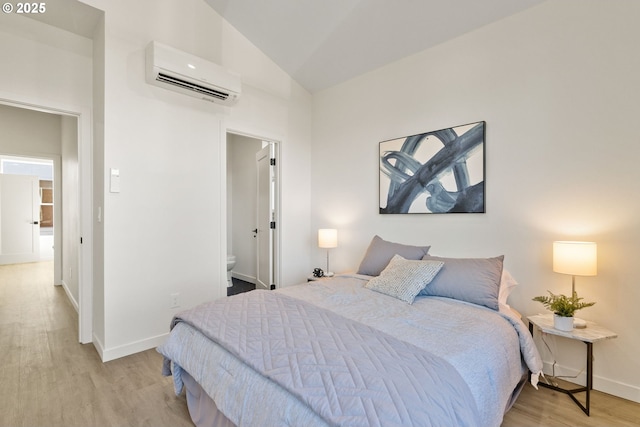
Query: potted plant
(563, 308)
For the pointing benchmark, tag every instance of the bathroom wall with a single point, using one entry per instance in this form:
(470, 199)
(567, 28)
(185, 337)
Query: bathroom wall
(241, 204)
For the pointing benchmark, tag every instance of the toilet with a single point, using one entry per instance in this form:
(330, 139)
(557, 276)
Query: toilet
(231, 262)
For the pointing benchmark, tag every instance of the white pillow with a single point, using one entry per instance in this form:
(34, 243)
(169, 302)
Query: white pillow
(507, 284)
(404, 279)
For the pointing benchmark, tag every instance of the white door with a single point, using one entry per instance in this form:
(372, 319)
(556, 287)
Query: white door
(19, 219)
(266, 217)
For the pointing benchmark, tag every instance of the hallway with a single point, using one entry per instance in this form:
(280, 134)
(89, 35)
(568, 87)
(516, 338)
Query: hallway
(50, 379)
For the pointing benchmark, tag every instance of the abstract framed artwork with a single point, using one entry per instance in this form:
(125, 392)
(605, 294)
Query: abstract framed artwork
(440, 171)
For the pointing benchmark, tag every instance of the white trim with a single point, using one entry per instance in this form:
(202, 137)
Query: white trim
(73, 301)
(97, 344)
(128, 349)
(244, 277)
(85, 184)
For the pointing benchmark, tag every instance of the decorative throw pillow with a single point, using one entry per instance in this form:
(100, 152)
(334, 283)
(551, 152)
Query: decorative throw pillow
(380, 253)
(404, 279)
(474, 280)
(507, 284)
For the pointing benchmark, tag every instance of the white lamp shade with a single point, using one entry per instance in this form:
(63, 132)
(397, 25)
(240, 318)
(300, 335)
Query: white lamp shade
(575, 258)
(327, 238)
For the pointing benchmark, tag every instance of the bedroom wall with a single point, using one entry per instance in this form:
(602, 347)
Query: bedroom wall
(43, 63)
(165, 231)
(557, 86)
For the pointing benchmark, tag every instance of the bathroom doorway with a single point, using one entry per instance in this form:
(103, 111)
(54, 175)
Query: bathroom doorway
(252, 210)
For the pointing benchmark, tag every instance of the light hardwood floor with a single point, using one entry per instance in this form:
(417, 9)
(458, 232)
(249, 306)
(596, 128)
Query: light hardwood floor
(48, 379)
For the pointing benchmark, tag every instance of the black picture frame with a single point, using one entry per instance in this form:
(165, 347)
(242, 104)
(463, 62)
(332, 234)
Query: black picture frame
(440, 171)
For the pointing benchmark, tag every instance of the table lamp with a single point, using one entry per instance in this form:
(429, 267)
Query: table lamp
(327, 239)
(576, 259)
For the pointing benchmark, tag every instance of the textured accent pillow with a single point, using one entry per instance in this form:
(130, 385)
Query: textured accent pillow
(474, 280)
(404, 279)
(380, 253)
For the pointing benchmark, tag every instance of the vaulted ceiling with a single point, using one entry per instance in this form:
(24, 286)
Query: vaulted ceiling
(321, 43)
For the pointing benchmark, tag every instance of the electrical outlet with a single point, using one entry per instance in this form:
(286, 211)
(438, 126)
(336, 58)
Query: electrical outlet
(175, 300)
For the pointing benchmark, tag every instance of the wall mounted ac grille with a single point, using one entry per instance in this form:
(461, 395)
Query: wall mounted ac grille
(192, 86)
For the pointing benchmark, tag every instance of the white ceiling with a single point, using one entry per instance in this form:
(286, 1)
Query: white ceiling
(321, 43)
(70, 15)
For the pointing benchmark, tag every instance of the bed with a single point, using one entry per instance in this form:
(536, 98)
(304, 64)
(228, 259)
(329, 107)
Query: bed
(377, 347)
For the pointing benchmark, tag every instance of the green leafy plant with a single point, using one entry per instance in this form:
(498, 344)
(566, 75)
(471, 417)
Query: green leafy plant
(563, 305)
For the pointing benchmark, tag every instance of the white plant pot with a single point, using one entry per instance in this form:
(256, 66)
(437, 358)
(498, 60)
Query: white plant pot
(563, 323)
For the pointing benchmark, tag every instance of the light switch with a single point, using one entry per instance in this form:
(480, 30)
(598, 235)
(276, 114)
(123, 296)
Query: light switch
(114, 183)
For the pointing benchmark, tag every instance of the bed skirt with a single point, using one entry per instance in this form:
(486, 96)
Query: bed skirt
(203, 410)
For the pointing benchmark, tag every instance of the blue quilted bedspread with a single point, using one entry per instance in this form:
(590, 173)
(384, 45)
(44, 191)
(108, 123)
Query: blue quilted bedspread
(345, 371)
(335, 353)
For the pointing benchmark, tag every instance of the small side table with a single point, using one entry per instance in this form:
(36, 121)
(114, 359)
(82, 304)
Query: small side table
(312, 278)
(592, 333)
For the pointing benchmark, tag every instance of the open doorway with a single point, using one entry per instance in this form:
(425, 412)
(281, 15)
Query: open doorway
(252, 213)
(42, 134)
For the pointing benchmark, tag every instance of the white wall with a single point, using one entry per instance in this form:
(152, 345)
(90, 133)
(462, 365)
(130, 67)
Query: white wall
(28, 132)
(164, 232)
(557, 86)
(70, 207)
(43, 64)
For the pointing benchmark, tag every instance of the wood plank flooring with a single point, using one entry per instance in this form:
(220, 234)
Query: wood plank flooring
(545, 407)
(48, 379)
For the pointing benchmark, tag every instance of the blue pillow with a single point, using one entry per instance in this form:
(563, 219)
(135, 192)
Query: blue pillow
(380, 253)
(474, 280)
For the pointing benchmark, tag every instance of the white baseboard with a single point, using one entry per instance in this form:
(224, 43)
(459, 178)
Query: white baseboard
(244, 277)
(98, 346)
(605, 385)
(128, 349)
(73, 301)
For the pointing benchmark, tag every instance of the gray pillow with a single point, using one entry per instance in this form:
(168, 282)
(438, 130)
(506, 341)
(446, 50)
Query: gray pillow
(474, 280)
(403, 278)
(380, 253)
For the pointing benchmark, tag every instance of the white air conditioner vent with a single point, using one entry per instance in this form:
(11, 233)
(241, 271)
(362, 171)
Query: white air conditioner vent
(188, 74)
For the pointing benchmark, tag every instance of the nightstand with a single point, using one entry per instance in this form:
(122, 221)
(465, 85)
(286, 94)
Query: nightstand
(592, 333)
(312, 278)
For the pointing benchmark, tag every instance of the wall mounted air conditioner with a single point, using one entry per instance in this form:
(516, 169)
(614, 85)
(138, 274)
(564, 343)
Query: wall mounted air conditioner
(188, 74)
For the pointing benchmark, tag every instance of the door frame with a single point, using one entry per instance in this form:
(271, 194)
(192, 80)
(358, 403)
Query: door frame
(277, 141)
(85, 198)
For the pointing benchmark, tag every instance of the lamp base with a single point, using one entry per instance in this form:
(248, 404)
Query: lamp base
(328, 274)
(579, 323)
